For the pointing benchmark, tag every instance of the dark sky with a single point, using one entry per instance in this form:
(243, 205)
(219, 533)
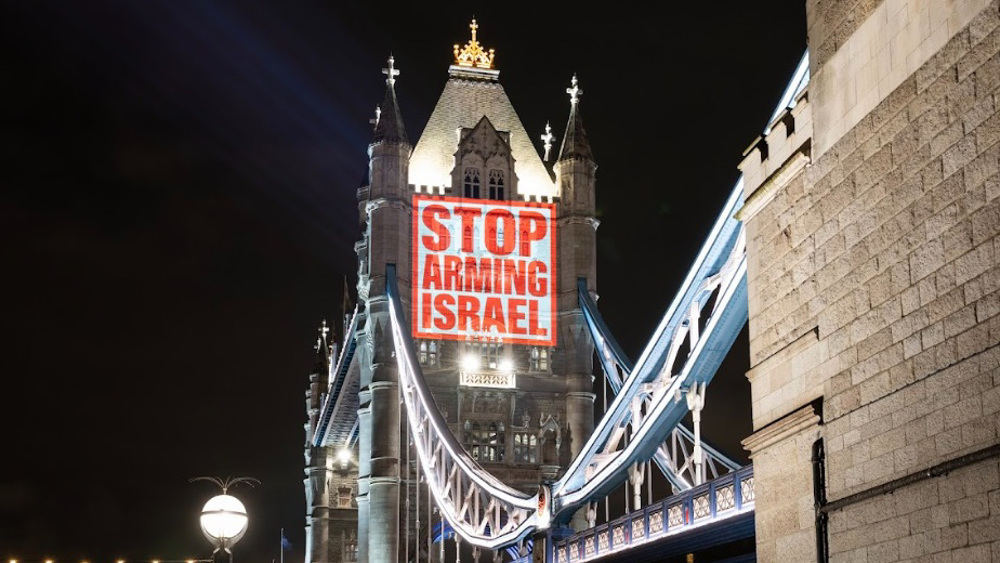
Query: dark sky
(178, 213)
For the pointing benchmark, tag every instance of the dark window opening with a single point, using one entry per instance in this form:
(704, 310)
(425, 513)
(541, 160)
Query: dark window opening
(496, 185)
(471, 183)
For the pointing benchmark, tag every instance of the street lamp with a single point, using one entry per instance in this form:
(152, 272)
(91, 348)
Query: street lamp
(224, 518)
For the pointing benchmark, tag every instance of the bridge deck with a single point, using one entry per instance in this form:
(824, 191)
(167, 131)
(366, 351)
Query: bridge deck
(716, 516)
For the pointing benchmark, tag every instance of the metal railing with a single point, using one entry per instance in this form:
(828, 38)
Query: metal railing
(714, 501)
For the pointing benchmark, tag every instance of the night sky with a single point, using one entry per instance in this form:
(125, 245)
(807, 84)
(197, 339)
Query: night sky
(178, 215)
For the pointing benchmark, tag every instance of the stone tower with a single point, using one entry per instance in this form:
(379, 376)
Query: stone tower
(873, 214)
(330, 482)
(317, 473)
(514, 377)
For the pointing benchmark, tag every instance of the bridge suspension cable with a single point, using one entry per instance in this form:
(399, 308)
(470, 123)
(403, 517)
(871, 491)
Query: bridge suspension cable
(649, 404)
(480, 507)
(642, 423)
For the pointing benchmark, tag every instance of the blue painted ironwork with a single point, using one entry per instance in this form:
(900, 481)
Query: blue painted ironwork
(478, 504)
(720, 266)
(338, 423)
(615, 356)
(726, 497)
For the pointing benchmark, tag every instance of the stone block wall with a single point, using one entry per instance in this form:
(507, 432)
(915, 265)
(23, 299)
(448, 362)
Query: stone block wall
(874, 287)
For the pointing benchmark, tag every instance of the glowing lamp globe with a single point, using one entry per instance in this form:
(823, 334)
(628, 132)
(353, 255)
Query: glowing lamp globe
(224, 520)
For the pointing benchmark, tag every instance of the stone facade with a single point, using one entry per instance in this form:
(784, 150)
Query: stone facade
(526, 432)
(330, 484)
(873, 216)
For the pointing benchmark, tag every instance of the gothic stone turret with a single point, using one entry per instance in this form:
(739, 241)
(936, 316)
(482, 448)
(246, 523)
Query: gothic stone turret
(527, 407)
(330, 482)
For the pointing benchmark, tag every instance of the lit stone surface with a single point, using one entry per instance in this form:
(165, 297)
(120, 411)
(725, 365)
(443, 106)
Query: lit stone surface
(873, 286)
(462, 104)
(895, 39)
(526, 410)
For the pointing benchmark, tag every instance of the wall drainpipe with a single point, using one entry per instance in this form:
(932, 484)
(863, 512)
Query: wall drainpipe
(824, 508)
(819, 501)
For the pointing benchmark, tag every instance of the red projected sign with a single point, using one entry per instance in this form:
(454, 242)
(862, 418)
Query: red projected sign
(484, 269)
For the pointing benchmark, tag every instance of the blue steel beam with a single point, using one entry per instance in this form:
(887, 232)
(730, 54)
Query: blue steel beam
(709, 262)
(336, 397)
(606, 341)
(667, 412)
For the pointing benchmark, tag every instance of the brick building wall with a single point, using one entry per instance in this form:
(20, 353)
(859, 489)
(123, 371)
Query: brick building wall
(872, 217)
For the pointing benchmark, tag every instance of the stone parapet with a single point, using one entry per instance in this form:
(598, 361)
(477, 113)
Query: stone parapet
(766, 162)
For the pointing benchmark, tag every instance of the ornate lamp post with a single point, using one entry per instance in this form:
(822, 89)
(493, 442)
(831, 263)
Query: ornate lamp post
(224, 518)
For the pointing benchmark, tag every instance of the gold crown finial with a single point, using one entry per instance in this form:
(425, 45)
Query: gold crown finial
(473, 54)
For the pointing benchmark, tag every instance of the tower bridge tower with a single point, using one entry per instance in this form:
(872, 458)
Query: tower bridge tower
(488, 242)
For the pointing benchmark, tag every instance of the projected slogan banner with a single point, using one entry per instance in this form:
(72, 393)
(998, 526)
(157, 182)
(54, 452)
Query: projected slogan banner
(484, 269)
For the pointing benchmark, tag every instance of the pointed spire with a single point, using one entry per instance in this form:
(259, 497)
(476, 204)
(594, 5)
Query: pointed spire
(390, 72)
(574, 91)
(388, 121)
(575, 144)
(345, 302)
(547, 139)
(346, 310)
(322, 349)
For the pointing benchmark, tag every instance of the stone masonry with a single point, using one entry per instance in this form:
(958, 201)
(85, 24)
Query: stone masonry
(523, 410)
(873, 215)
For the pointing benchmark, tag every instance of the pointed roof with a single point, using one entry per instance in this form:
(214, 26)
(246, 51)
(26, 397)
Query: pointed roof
(462, 104)
(486, 139)
(322, 365)
(473, 91)
(388, 121)
(575, 143)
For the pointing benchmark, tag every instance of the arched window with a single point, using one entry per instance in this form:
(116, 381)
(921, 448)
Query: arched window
(525, 447)
(539, 359)
(350, 543)
(496, 185)
(469, 239)
(491, 354)
(428, 353)
(470, 185)
(485, 441)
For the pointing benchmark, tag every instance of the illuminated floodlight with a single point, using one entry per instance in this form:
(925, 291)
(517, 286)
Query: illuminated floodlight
(470, 362)
(344, 455)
